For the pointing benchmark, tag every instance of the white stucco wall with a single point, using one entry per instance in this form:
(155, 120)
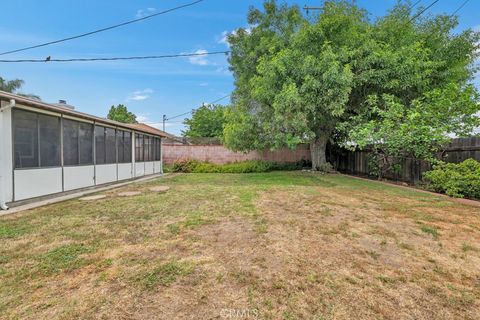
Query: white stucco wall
(149, 167)
(6, 166)
(31, 183)
(78, 177)
(125, 171)
(105, 173)
(139, 169)
(157, 167)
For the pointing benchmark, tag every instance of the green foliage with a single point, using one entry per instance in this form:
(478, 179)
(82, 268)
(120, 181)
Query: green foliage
(166, 274)
(430, 230)
(14, 231)
(185, 166)
(13, 86)
(292, 77)
(120, 113)
(250, 166)
(399, 82)
(418, 130)
(457, 180)
(10, 85)
(411, 88)
(206, 121)
(242, 131)
(63, 258)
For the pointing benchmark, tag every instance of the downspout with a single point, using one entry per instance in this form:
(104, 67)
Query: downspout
(3, 204)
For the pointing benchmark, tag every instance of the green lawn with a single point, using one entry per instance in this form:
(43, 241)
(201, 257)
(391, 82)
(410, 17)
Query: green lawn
(280, 245)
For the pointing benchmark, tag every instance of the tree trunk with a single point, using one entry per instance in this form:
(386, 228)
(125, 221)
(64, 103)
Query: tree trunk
(317, 150)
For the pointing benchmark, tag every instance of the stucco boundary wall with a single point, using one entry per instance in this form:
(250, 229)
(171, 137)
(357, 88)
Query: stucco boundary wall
(219, 154)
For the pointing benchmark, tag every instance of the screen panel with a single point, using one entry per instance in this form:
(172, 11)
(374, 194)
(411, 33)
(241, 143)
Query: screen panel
(110, 146)
(99, 145)
(85, 143)
(25, 135)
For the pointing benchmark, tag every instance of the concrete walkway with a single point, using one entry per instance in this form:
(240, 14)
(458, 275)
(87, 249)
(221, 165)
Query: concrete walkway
(61, 198)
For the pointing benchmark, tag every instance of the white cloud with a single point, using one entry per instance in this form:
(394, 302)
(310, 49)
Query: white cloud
(174, 127)
(199, 60)
(140, 95)
(223, 70)
(159, 125)
(145, 119)
(142, 13)
(223, 37)
(142, 118)
(203, 84)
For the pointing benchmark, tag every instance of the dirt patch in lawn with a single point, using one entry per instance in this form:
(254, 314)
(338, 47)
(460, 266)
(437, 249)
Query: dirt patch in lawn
(350, 259)
(224, 254)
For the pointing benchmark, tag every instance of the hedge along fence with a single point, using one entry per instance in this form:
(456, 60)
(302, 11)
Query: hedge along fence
(350, 162)
(412, 170)
(218, 154)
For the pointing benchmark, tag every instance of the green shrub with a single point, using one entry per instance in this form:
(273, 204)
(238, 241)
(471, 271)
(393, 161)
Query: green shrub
(167, 168)
(456, 179)
(250, 166)
(186, 166)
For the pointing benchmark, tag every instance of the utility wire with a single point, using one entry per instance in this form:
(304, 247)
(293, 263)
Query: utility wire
(102, 30)
(460, 7)
(307, 8)
(48, 59)
(183, 114)
(450, 16)
(423, 10)
(414, 5)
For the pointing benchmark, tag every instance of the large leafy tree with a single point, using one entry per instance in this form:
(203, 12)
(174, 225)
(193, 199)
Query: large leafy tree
(414, 89)
(293, 77)
(329, 77)
(206, 121)
(13, 86)
(120, 113)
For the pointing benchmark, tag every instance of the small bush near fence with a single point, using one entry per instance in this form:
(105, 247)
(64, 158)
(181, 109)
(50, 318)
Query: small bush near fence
(250, 166)
(456, 179)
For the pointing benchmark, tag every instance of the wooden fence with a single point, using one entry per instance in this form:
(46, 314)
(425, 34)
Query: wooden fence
(356, 162)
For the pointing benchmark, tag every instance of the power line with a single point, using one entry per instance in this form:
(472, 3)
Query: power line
(415, 4)
(308, 8)
(179, 55)
(450, 16)
(459, 8)
(185, 113)
(103, 29)
(423, 10)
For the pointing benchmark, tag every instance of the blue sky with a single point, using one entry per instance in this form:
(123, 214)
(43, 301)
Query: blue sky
(149, 88)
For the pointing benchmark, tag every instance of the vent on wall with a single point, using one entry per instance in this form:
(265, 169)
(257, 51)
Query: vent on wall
(63, 104)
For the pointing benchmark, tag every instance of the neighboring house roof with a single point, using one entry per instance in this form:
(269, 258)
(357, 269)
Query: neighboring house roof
(67, 111)
(175, 140)
(148, 129)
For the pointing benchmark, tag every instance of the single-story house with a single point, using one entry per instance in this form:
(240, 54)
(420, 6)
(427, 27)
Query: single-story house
(50, 149)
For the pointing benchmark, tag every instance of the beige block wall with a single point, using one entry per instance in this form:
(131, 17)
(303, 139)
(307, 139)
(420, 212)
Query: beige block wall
(219, 154)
